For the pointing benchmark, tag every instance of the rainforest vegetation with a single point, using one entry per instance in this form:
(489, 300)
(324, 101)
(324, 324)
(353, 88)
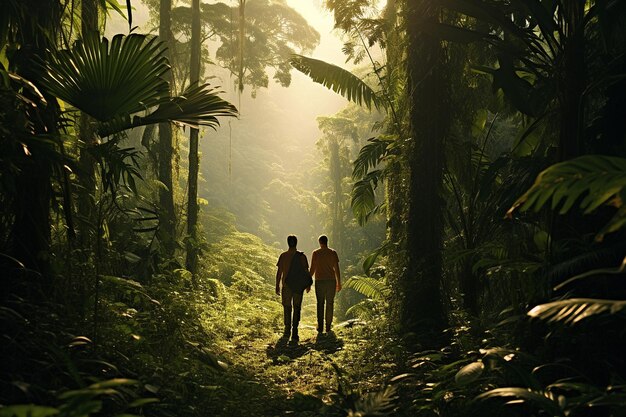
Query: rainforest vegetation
(467, 162)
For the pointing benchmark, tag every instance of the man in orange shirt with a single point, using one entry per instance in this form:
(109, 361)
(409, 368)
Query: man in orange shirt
(291, 300)
(325, 268)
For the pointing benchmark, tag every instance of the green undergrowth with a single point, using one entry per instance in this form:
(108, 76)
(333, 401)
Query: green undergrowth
(164, 347)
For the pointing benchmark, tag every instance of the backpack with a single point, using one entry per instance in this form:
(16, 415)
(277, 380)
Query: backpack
(298, 278)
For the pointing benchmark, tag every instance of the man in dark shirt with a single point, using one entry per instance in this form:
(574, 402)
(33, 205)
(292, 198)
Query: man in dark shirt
(291, 300)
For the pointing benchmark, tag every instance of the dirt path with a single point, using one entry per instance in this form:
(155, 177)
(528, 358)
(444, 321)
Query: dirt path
(270, 377)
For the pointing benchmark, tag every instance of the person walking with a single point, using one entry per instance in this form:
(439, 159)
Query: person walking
(291, 297)
(325, 269)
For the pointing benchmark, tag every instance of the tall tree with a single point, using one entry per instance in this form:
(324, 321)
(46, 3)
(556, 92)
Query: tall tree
(167, 216)
(89, 23)
(32, 28)
(338, 132)
(422, 309)
(191, 262)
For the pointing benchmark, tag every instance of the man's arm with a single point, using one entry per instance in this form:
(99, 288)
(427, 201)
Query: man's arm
(306, 267)
(337, 273)
(313, 264)
(279, 273)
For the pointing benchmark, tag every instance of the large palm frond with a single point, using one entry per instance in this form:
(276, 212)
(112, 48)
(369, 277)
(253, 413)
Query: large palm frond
(574, 310)
(105, 79)
(198, 105)
(588, 181)
(339, 80)
(114, 82)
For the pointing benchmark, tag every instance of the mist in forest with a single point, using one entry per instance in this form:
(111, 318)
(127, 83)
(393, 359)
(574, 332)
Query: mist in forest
(265, 167)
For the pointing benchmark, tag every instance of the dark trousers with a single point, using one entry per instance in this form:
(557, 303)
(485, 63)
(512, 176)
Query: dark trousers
(291, 301)
(325, 294)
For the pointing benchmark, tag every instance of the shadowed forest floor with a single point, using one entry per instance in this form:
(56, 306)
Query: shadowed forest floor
(270, 376)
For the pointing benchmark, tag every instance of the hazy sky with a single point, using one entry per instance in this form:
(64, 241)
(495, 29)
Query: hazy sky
(297, 106)
(278, 127)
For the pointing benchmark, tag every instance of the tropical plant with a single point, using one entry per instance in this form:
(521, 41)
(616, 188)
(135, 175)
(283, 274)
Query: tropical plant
(339, 80)
(586, 182)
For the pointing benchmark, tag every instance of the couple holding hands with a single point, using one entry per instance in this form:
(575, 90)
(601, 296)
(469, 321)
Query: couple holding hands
(293, 277)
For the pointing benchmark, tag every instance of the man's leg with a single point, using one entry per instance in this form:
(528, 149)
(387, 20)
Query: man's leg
(297, 307)
(319, 297)
(329, 295)
(286, 300)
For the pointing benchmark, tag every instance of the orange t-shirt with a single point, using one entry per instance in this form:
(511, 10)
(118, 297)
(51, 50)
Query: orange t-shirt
(323, 262)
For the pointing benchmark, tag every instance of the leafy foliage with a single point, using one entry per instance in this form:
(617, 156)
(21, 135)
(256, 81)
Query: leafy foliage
(575, 310)
(369, 287)
(114, 82)
(339, 80)
(588, 182)
(105, 79)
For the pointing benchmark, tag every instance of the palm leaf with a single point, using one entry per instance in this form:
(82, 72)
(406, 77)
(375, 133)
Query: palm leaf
(364, 197)
(362, 309)
(369, 261)
(113, 83)
(469, 373)
(370, 155)
(106, 80)
(198, 105)
(378, 403)
(574, 310)
(588, 182)
(602, 271)
(337, 79)
(540, 399)
(373, 288)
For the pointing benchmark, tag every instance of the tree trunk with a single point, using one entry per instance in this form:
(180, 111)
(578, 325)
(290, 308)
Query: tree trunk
(86, 177)
(422, 311)
(167, 217)
(30, 231)
(335, 175)
(573, 83)
(241, 46)
(191, 263)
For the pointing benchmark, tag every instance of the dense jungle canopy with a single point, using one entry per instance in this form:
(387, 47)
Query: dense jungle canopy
(465, 158)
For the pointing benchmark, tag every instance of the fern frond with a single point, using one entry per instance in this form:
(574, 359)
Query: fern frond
(590, 180)
(541, 399)
(370, 155)
(574, 310)
(379, 403)
(373, 288)
(364, 197)
(363, 309)
(337, 79)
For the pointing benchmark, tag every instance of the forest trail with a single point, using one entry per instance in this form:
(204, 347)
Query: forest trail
(268, 376)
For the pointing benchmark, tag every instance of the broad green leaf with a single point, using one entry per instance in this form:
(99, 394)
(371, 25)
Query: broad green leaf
(143, 401)
(469, 373)
(27, 410)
